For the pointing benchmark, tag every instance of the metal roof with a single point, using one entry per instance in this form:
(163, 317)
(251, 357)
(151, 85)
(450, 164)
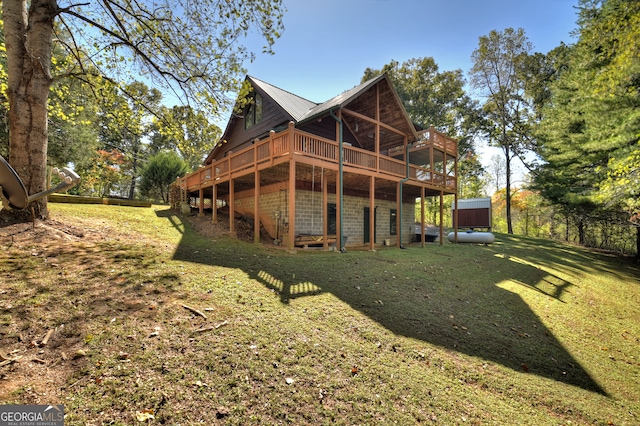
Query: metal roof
(301, 109)
(293, 105)
(473, 203)
(340, 100)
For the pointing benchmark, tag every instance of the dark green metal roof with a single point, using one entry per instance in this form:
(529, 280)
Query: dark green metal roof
(293, 105)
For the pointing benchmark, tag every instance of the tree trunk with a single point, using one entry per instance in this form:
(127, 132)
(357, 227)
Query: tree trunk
(507, 154)
(28, 38)
(581, 233)
(134, 173)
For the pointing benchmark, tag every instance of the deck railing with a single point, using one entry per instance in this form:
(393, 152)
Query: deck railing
(279, 145)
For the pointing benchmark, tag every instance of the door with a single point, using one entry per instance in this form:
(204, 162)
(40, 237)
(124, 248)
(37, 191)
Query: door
(331, 219)
(367, 237)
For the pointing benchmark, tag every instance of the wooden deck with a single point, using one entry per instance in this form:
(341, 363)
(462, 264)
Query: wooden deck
(304, 147)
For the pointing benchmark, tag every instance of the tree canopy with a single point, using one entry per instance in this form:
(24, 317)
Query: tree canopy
(590, 137)
(497, 74)
(162, 169)
(185, 131)
(191, 50)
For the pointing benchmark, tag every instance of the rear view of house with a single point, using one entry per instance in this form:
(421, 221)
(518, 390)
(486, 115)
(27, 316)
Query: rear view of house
(344, 172)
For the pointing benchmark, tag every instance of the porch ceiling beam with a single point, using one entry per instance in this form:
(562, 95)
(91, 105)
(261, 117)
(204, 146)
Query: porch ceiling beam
(372, 121)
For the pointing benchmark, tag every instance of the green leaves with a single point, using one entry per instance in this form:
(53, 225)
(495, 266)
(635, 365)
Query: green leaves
(187, 131)
(590, 131)
(193, 50)
(161, 170)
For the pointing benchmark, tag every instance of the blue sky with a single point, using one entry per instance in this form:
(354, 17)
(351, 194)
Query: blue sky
(327, 45)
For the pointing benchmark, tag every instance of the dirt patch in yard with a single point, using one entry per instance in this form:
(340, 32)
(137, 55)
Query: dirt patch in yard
(62, 281)
(47, 268)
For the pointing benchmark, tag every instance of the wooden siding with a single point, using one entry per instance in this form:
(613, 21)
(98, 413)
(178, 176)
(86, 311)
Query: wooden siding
(238, 138)
(326, 128)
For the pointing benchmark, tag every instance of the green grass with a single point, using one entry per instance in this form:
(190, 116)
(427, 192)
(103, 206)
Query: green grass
(523, 331)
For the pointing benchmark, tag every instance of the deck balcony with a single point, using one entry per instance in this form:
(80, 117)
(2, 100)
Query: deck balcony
(432, 165)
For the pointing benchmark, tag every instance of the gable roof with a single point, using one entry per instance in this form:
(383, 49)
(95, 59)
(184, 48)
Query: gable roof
(301, 110)
(295, 106)
(340, 100)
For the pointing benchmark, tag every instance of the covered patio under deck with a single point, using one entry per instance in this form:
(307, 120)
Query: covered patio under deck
(293, 160)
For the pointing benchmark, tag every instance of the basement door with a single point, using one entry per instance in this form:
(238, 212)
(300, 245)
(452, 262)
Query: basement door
(367, 210)
(331, 219)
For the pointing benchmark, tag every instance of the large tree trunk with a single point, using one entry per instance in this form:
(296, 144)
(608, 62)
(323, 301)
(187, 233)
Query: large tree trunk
(28, 38)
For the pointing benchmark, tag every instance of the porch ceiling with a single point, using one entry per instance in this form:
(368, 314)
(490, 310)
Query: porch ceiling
(360, 118)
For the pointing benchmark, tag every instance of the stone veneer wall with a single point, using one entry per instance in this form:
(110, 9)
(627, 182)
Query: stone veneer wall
(310, 212)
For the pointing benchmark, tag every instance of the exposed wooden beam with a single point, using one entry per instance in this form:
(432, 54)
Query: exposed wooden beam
(371, 120)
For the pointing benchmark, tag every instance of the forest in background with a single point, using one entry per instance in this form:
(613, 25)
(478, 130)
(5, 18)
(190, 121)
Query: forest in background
(569, 115)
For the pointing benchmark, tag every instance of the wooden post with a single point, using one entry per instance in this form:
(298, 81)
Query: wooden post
(292, 137)
(422, 215)
(338, 207)
(292, 204)
(431, 159)
(271, 147)
(201, 202)
(214, 202)
(325, 212)
(441, 217)
(232, 213)
(372, 212)
(398, 215)
(256, 206)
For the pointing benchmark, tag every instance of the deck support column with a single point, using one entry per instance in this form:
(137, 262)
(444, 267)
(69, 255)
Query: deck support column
(292, 206)
(399, 215)
(372, 212)
(201, 202)
(338, 215)
(325, 212)
(422, 227)
(441, 217)
(256, 208)
(214, 203)
(232, 213)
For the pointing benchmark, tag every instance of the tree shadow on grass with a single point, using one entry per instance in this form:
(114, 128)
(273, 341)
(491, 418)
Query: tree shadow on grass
(426, 294)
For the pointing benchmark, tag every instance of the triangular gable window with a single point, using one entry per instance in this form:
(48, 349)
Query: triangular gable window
(253, 115)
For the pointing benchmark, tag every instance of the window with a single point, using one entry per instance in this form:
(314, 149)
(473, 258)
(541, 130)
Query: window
(253, 115)
(393, 215)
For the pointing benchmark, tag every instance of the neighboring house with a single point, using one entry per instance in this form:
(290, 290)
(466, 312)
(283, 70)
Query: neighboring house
(346, 172)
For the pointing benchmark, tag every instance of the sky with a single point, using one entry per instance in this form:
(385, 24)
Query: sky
(327, 45)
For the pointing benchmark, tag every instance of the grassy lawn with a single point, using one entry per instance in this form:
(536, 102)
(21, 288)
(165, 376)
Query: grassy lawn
(154, 323)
